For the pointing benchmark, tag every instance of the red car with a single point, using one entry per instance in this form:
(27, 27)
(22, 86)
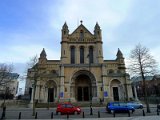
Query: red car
(67, 108)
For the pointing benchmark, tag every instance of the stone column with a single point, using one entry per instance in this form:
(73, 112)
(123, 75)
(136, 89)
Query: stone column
(135, 93)
(62, 82)
(32, 95)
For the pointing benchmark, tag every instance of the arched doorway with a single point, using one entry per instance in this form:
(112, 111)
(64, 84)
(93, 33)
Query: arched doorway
(115, 89)
(52, 90)
(83, 86)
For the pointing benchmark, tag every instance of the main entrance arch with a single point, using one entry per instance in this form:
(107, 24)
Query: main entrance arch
(52, 90)
(114, 86)
(83, 86)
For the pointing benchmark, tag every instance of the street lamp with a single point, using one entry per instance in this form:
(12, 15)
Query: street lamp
(89, 61)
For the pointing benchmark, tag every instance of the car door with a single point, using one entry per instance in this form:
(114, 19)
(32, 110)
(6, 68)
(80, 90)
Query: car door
(123, 106)
(69, 108)
(62, 108)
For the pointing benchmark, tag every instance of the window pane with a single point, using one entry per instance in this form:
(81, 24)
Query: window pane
(91, 55)
(72, 55)
(81, 55)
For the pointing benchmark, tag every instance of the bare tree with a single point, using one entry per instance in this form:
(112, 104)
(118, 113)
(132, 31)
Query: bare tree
(34, 77)
(33, 60)
(142, 64)
(5, 70)
(6, 76)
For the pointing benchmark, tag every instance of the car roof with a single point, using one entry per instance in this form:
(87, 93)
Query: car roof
(64, 103)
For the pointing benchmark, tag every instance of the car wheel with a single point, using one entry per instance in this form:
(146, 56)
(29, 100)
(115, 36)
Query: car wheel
(140, 107)
(112, 111)
(76, 112)
(131, 111)
(109, 111)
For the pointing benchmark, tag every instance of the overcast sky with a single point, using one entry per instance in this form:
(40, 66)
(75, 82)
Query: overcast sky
(28, 26)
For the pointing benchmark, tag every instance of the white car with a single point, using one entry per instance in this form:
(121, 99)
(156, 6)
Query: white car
(136, 105)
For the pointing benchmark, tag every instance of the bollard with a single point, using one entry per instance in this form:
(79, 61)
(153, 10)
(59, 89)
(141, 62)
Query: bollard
(52, 115)
(157, 112)
(19, 116)
(91, 111)
(4, 112)
(114, 115)
(129, 115)
(98, 114)
(67, 115)
(83, 115)
(3, 115)
(36, 116)
(143, 113)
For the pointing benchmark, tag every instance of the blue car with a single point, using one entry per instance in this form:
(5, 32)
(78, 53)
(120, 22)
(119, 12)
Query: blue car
(136, 105)
(119, 107)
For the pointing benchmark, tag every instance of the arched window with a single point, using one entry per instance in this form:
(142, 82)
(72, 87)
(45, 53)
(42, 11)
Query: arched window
(81, 54)
(90, 54)
(72, 54)
(81, 35)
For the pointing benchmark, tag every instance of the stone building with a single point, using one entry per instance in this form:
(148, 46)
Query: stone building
(8, 84)
(81, 74)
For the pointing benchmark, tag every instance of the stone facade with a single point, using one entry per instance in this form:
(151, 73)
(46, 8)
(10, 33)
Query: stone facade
(81, 74)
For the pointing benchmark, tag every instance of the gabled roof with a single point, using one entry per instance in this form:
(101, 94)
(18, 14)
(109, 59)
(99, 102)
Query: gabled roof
(80, 27)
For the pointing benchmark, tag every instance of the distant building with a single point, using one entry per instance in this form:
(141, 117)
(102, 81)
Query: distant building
(152, 85)
(9, 84)
(81, 74)
(21, 86)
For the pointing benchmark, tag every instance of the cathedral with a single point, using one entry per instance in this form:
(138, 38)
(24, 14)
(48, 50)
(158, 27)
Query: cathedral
(81, 74)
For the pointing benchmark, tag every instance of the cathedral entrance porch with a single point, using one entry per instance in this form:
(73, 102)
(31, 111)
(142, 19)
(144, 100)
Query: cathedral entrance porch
(83, 86)
(83, 94)
(50, 94)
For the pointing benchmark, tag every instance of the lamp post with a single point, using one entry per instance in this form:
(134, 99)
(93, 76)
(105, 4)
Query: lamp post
(89, 63)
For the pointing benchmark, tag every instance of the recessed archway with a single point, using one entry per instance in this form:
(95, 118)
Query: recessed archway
(52, 90)
(83, 86)
(114, 87)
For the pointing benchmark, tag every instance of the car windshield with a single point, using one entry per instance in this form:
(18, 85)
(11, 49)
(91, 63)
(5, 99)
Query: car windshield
(69, 106)
(122, 104)
(115, 104)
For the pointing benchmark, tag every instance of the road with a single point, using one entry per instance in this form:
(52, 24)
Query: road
(43, 113)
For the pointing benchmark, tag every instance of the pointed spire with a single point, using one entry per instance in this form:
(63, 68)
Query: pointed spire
(65, 26)
(43, 54)
(97, 26)
(119, 53)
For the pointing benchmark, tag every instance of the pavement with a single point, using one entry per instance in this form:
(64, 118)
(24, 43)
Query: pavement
(43, 113)
(121, 118)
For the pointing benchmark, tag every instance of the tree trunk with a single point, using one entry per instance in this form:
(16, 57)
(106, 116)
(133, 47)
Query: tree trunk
(145, 94)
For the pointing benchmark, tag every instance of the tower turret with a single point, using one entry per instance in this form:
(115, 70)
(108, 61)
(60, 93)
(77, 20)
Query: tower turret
(97, 32)
(65, 32)
(43, 58)
(120, 60)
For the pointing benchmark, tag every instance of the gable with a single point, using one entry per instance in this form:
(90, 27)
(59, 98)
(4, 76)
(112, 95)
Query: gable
(81, 34)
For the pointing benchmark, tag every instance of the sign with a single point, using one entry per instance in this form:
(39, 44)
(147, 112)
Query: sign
(105, 94)
(61, 94)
